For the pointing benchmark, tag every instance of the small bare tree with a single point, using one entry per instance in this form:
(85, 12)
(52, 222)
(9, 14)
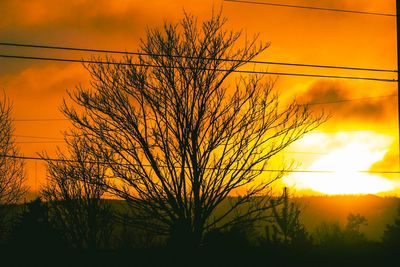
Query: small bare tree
(73, 194)
(12, 175)
(287, 228)
(178, 138)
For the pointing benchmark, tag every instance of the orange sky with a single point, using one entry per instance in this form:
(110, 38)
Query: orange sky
(305, 36)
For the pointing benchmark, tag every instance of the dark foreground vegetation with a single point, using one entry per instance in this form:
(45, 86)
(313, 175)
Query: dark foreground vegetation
(368, 255)
(33, 237)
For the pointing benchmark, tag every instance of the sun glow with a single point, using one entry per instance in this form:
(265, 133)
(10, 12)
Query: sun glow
(340, 167)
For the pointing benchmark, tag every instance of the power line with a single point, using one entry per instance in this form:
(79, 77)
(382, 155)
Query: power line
(313, 132)
(38, 142)
(351, 130)
(311, 103)
(223, 70)
(309, 153)
(306, 153)
(61, 141)
(38, 137)
(42, 119)
(209, 168)
(222, 59)
(312, 8)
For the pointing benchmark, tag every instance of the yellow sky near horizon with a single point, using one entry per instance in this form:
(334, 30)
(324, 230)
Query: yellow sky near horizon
(356, 128)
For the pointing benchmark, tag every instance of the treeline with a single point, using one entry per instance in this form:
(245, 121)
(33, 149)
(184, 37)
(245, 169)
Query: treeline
(103, 231)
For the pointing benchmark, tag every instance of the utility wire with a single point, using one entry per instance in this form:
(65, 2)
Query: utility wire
(209, 168)
(312, 7)
(38, 142)
(223, 70)
(53, 142)
(313, 132)
(163, 55)
(38, 137)
(59, 140)
(350, 130)
(43, 119)
(306, 153)
(310, 104)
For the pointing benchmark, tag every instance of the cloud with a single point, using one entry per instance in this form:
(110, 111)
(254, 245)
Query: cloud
(46, 80)
(99, 15)
(350, 104)
(389, 163)
(347, 153)
(37, 92)
(43, 12)
(102, 24)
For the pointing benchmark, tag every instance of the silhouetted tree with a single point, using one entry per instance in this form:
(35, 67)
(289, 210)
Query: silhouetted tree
(391, 235)
(129, 237)
(33, 232)
(352, 232)
(331, 234)
(231, 238)
(286, 225)
(178, 138)
(11, 167)
(73, 194)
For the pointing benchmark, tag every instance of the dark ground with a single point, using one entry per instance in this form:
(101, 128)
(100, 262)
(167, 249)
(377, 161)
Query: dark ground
(372, 254)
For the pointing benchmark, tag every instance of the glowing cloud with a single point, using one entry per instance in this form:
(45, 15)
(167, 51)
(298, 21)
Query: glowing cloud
(340, 168)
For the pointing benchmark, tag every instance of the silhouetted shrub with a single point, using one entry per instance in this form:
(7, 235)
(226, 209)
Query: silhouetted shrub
(352, 233)
(391, 235)
(33, 231)
(286, 227)
(332, 234)
(237, 236)
(329, 233)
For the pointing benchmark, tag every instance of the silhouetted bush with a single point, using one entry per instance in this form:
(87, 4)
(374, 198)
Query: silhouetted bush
(286, 227)
(33, 231)
(329, 233)
(127, 237)
(391, 235)
(237, 236)
(332, 234)
(352, 233)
